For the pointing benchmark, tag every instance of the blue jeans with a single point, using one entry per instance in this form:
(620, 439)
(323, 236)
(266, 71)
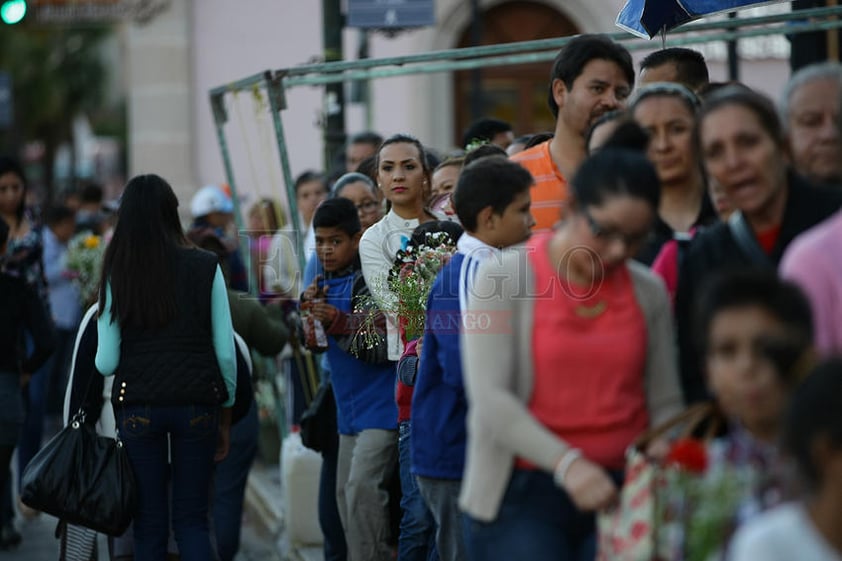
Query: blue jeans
(192, 431)
(229, 484)
(35, 409)
(335, 548)
(417, 540)
(536, 521)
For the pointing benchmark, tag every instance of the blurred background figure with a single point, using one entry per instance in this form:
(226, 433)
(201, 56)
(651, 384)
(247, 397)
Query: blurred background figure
(212, 208)
(518, 145)
(756, 334)
(602, 129)
(812, 527)
(65, 303)
(23, 259)
(675, 64)
(89, 216)
(264, 220)
(810, 114)
(281, 270)
(264, 331)
(22, 315)
(489, 130)
(362, 146)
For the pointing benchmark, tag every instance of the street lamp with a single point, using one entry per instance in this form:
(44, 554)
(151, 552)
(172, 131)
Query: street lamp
(12, 11)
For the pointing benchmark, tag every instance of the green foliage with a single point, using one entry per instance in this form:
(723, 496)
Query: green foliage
(57, 74)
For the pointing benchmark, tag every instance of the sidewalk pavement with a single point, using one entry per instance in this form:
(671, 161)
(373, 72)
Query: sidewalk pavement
(264, 505)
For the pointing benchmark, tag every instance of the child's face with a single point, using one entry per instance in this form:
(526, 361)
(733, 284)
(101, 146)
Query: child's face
(64, 230)
(444, 179)
(515, 224)
(744, 381)
(335, 248)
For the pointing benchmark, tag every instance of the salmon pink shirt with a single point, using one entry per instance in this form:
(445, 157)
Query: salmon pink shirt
(589, 359)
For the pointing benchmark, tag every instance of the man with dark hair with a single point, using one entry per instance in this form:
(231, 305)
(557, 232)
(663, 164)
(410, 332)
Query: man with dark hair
(361, 146)
(65, 304)
(493, 131)
(590, 76)
(90, 216)
(676, 64)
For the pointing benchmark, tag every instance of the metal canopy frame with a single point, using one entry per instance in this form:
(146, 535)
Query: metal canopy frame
(276, 82)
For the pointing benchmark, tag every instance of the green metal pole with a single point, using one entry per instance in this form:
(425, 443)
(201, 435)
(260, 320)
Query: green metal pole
(220, 117)
(277, 102)
(465, 64)
(334, 105)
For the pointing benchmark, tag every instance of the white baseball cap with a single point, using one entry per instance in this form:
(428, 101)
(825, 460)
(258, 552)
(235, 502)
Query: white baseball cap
(208, 199)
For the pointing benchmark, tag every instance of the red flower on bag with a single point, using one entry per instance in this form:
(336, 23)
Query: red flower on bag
(688, 454)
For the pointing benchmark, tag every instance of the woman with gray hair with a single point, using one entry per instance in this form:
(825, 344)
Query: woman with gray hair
(809, 109)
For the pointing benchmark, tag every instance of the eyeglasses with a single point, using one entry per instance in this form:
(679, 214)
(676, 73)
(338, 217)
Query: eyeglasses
(366, 207)
(611, 234)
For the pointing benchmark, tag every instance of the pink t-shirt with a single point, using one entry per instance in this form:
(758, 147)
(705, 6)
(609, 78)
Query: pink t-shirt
(589, 360)
(666, 267)
(814, 262)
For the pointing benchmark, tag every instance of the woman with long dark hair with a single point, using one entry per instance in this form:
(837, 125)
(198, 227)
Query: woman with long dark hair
(165, 331)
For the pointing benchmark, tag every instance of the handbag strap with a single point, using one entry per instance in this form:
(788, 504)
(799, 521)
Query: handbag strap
(79, 417)
(691, 419)
(742, 234)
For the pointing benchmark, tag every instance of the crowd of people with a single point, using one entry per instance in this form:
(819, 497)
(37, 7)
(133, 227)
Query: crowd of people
(669, 243)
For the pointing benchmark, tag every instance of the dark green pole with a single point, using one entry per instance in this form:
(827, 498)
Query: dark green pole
(477, 101)
(334, 102)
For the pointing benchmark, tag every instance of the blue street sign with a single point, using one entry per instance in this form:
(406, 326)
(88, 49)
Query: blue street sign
(390, 13)
(7, 113)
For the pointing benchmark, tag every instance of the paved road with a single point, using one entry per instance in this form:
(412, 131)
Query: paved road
(39, 543)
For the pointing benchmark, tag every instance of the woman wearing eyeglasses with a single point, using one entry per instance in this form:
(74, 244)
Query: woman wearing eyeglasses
(573, 361)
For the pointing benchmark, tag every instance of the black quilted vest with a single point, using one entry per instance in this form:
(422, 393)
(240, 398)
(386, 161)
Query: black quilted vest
(175, 364)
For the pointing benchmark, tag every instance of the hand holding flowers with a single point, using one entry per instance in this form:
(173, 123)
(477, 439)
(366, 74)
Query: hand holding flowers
(85, 252)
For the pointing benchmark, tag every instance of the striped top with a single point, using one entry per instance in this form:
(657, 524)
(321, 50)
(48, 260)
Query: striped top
(549, 194)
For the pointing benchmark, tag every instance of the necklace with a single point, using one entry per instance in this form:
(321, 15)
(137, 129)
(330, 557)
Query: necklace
(590, 312)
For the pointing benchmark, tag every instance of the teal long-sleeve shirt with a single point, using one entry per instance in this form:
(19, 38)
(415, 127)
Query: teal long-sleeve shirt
(108, 348)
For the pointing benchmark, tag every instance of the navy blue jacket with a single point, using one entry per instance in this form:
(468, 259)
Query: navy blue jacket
(363, 378)
(439, 405)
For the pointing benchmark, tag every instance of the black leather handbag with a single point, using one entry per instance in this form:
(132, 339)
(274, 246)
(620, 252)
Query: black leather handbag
(82, 478)
(318, 422)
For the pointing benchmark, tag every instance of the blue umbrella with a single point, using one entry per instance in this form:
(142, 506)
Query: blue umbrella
(647, 18)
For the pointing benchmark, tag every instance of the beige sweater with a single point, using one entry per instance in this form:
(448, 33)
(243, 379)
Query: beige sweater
(497, 366)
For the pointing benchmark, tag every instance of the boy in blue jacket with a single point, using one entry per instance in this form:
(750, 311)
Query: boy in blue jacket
(363, 383)
(492, 201)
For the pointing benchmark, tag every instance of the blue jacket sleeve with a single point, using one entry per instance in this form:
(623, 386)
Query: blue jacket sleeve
(223, 336)
(443, 351)
(108, 338)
